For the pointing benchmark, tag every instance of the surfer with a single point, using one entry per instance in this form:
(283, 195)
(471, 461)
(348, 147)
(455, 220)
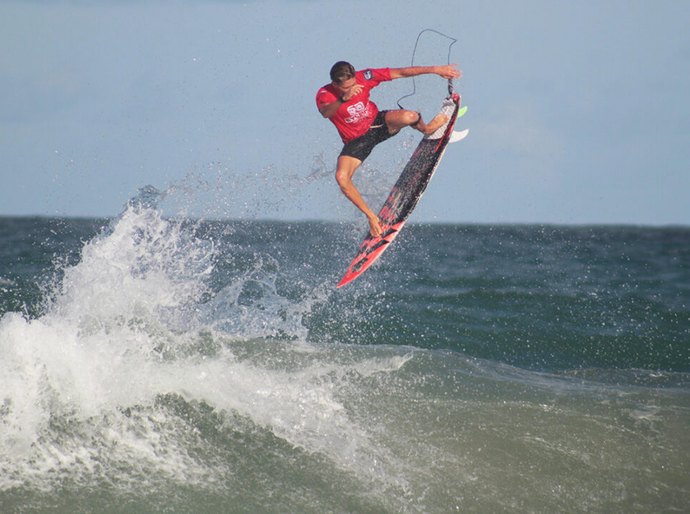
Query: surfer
(345, 101)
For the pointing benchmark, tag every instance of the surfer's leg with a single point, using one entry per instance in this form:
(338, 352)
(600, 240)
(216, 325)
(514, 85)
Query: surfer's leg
(343, 175)
(398, 119)
(433, 125)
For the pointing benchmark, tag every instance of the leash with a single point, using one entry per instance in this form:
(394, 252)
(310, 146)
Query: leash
(414, 53)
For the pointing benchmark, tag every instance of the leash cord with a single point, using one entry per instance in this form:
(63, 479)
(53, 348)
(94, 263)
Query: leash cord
(414, 53)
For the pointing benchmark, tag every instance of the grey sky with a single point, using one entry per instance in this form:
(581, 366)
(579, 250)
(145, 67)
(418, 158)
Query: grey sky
(579, 111)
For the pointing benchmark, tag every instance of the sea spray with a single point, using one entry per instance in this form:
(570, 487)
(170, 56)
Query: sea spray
(105, 325)
(135, 339)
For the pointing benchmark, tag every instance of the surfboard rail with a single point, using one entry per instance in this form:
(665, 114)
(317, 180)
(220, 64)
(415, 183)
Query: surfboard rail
(408, 189)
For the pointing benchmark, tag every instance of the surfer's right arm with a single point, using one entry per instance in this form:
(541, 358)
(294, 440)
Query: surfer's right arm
(346, 91)
(328, 110)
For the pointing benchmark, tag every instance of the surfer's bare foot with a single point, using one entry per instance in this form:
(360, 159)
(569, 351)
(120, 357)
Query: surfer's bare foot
(435, 124)
(375, 226)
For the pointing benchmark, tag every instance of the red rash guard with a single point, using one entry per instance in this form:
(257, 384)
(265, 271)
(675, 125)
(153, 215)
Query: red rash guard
(355, 116)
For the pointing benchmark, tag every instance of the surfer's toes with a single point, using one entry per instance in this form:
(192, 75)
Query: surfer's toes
(438, 121)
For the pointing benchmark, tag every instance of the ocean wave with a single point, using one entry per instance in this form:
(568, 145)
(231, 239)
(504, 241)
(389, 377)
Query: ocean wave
(184, 365)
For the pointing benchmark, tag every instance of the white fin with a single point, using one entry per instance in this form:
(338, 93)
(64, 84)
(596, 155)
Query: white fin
(458, 135)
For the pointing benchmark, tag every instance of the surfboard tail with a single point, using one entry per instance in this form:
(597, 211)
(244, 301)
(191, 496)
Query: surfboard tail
(449, 107)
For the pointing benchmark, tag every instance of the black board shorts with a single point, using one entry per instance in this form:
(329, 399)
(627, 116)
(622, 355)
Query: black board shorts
(361, 147)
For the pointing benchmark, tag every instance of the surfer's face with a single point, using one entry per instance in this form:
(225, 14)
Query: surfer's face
(346, 85)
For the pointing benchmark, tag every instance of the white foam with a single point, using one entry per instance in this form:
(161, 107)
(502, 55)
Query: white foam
(6, 282)
(123, 327)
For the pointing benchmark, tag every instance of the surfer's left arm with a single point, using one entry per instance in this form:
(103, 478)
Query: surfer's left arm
(448, 71)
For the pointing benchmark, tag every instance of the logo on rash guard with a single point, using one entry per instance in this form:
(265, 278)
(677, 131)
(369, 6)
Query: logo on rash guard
(357, 112)
(368, 74)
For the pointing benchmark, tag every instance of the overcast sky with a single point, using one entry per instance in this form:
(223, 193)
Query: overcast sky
(579, 111)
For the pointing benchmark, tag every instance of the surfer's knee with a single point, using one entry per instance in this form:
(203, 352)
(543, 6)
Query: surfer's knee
(411, 119)
(345, 169)
(343, 176)
(401, 118)
(416, 118)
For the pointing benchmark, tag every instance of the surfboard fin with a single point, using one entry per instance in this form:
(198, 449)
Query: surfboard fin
(458, 135)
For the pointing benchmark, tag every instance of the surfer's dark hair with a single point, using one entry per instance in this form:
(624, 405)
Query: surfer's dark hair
(342, 71)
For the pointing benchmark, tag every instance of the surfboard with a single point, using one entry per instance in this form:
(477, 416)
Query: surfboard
(408, 189)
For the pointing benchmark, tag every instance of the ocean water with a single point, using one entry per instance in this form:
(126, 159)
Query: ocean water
(162, 364)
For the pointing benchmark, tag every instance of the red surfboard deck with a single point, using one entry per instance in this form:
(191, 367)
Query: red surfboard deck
(406, 192)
